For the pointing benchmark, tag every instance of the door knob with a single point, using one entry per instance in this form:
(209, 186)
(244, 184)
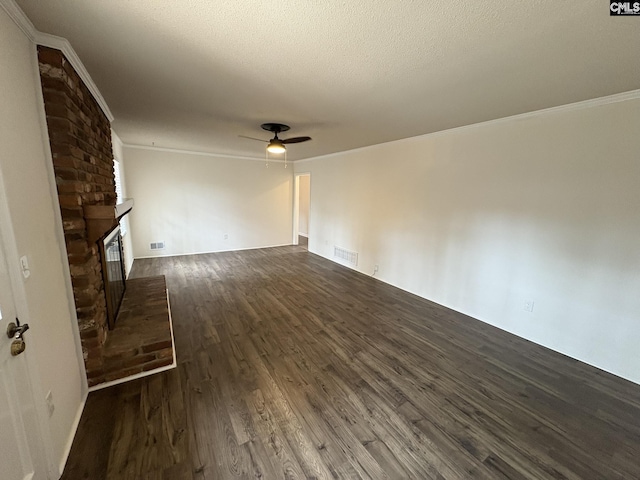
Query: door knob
(16, 331)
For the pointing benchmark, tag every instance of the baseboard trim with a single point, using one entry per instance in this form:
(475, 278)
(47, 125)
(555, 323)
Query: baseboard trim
(213, 251)
(471, 316)
(72, 435)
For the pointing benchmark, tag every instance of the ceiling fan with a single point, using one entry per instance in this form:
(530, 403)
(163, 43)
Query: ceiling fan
(277, 145)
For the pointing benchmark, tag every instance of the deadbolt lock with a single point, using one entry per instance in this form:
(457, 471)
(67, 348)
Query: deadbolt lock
(17, 347)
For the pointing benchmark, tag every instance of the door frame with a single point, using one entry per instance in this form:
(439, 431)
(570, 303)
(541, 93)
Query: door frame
(296, 204)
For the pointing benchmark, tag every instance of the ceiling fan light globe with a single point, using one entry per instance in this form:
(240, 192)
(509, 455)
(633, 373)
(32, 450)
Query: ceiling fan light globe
(276, 147)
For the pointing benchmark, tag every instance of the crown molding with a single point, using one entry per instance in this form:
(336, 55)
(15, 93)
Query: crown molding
(202, 154)
(25, 25)
(39, 38)
(70, 54)
(591, 103)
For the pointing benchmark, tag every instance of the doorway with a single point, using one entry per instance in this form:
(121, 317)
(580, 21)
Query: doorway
(302, 210)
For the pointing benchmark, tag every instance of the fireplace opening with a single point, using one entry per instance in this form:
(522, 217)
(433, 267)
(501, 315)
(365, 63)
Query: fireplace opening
(113, 272)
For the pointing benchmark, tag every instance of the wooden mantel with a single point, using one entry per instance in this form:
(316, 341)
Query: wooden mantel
(123, 208)
(101, 219)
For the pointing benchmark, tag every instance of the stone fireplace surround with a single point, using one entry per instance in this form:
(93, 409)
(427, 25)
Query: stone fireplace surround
(81, 150)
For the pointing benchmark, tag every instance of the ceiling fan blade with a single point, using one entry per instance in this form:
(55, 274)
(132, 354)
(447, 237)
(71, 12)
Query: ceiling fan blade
(252, 138)
(296, 140)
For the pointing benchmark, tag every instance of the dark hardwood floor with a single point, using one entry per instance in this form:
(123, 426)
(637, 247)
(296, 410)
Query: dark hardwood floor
(290, 366)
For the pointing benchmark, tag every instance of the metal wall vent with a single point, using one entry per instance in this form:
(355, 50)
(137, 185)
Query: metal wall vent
(157, 245)
(347, 255)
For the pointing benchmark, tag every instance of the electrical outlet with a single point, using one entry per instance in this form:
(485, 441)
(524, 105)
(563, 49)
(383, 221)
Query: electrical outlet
(528, 306)
(50, 406)
(226, 236)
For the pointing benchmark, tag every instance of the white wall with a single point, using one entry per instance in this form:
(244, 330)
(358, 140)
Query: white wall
(191, 201)
(303, 199)
(44, 300)
(127, 244)
(482, 219)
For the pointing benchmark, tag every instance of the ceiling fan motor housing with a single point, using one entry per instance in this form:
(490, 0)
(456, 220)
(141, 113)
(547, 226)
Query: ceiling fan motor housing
(275, 127)
(277, 145)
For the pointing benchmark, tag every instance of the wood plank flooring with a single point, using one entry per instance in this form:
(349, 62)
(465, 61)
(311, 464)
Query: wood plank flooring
(293, 367)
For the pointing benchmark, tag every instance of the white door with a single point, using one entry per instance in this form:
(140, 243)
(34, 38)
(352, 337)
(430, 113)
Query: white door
(20, 448)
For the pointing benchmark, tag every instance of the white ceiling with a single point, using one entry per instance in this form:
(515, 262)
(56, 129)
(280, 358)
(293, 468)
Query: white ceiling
(195, 74)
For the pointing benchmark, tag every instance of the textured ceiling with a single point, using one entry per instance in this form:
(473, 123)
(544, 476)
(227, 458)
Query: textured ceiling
(195, 74)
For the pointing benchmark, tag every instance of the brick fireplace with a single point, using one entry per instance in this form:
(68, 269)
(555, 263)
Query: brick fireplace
(80, 141)
(141, 341)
